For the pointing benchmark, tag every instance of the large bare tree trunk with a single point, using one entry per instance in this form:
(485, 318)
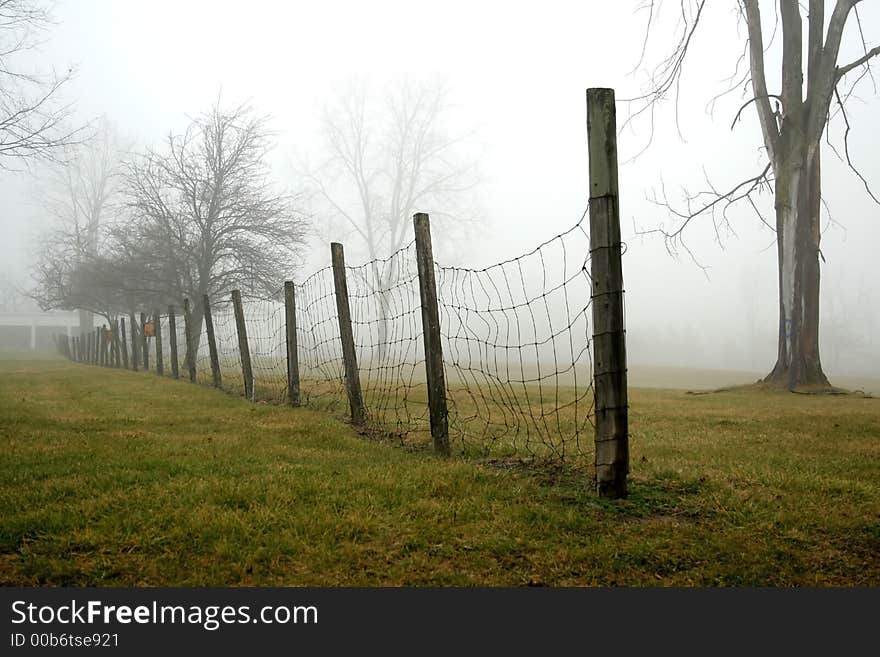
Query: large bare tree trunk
(798, 199)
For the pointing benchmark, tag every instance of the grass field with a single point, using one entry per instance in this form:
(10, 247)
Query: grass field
(116, 478)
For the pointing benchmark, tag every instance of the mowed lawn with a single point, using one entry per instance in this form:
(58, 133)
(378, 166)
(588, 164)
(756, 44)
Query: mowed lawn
(118, 478)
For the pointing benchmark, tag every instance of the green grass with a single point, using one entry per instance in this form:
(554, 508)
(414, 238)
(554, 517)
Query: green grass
(115, 478)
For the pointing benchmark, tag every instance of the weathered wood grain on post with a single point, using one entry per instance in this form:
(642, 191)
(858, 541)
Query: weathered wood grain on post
(212, 343)
(243, 349)
(98, 350)
(134, 342)
(293, 397)
(145, 343)
(160, 362)
(190, 349)
(172, 340)
(349, 357)
(124, 342)
(609, 338)
(431, 332)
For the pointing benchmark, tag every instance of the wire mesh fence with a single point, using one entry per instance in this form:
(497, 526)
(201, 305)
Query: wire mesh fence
(515, 338)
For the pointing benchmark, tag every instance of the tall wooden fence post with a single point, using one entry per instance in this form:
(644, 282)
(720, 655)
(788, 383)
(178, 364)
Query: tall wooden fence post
(172, 340)
(190, 350)
(145, 343)
(293, 397)
(157, 324)
(243, 349)
(124, 345)
(212, 343)
(98, 351)
(349, 357)
(117, 359)
(606, 270)
(431, 332)
(134, 342)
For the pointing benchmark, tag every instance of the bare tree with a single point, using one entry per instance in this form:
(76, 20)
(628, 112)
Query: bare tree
(32, 122)
(80, 192)
(793, 122)
(390, 155)
(205, 217)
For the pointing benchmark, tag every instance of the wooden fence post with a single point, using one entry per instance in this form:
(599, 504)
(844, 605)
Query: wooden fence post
(243, 348)
(172, 340)
(606, 271)
(105, 345)
(84, 348)
(97, 353)
(145, 343)
(124, 345)
(134, 342)
(157, 323)
(190, 355)
(431, 332)
(293, 397)
(114, 342)
(349, 357)
(212, 343)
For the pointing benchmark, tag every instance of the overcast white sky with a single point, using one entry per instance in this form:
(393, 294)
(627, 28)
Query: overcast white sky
(517, 71)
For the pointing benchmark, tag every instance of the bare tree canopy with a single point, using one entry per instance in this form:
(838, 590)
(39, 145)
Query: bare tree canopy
(80, 192)
(32, 122)
(793, 120)
(198, 216)
(390, 155)
(205, 217)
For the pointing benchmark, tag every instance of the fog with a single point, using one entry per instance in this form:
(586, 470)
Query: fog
(517, 76)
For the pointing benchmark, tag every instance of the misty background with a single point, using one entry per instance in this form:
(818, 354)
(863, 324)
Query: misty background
(517, 77)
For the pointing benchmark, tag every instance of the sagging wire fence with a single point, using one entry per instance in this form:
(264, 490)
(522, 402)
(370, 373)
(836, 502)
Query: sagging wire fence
(515, 339)
(495, 361)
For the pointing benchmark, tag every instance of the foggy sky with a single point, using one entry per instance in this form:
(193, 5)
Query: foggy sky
(518, 72)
